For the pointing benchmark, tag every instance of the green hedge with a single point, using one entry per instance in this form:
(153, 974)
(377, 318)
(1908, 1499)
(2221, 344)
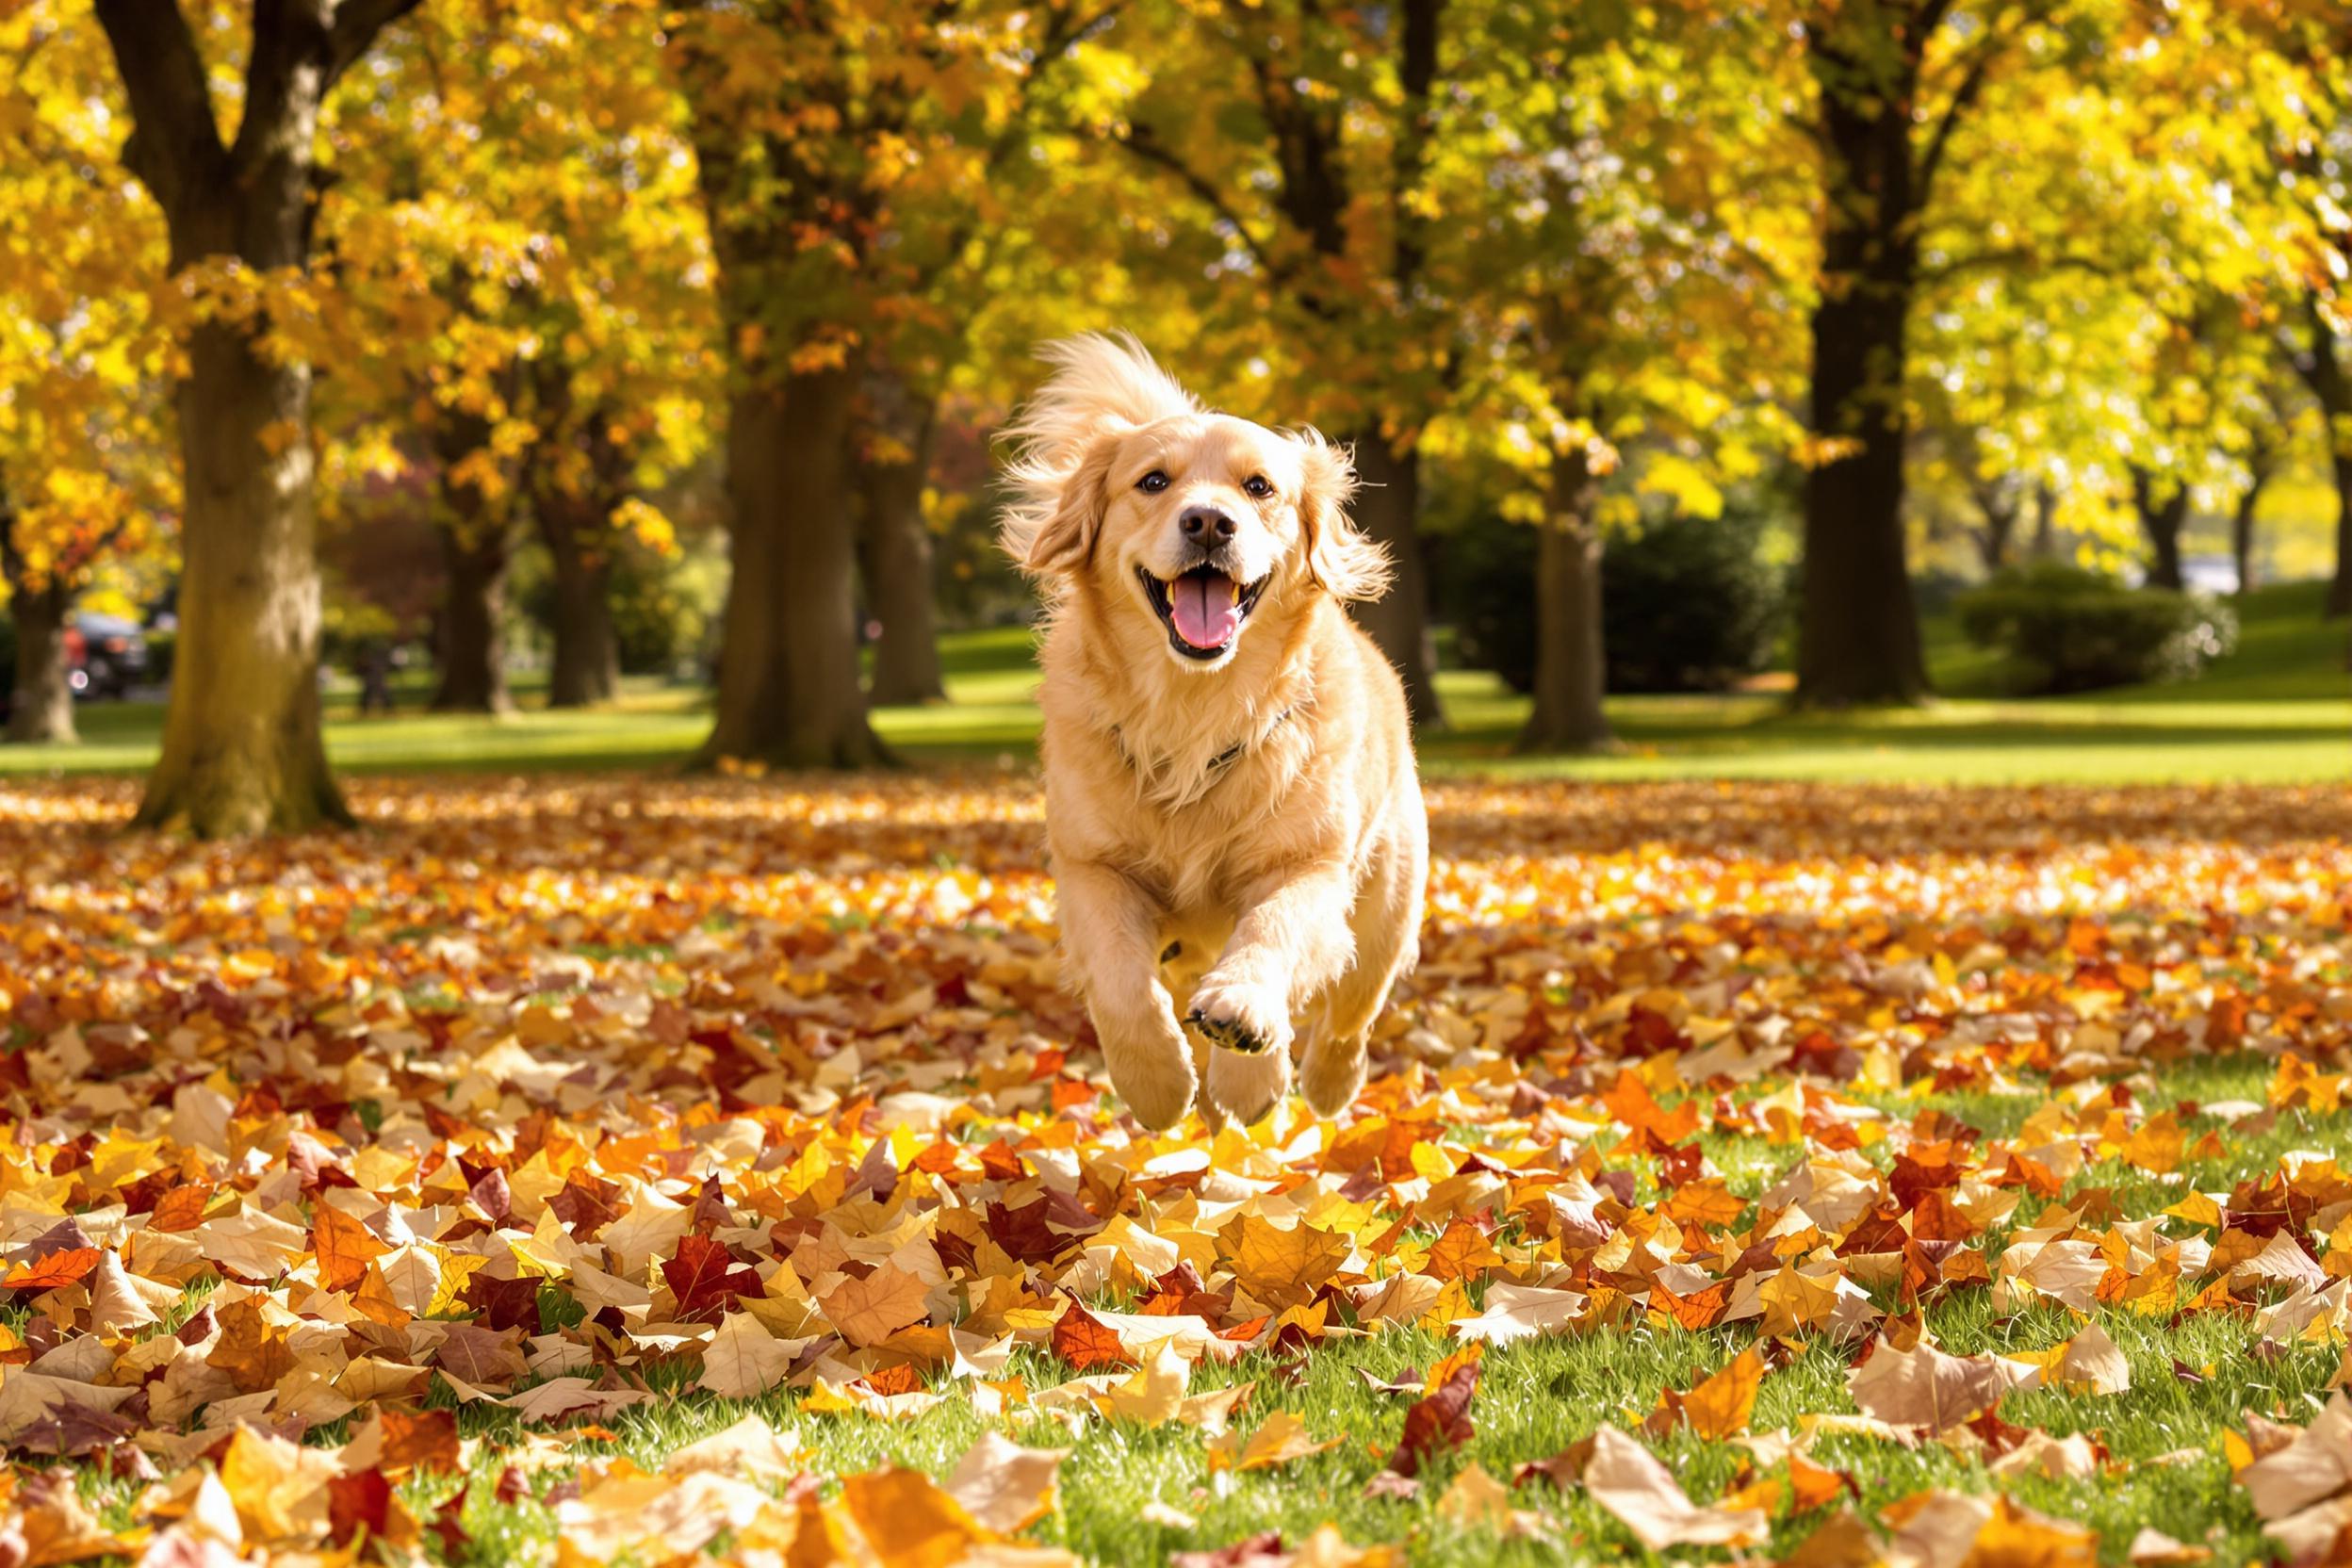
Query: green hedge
(1689, 604)
(2066, 629)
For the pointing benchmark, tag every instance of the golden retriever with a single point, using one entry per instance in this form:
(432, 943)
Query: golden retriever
(1233, 815)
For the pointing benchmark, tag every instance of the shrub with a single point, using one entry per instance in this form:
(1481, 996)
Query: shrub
(2066, 629)
(1687, 605)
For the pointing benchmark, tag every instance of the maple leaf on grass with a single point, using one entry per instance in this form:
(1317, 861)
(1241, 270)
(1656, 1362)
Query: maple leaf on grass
(743, 1358)
(705, 1278)
(1924, 1387)
(1627, 1478)
(1280, 1438)
(1719, 1406)
(1083, 1342)
(869, 1311)
(1439, 1420)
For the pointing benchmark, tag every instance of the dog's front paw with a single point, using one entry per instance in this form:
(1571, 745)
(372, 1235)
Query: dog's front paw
(1242, 1018)
(1150, 1066)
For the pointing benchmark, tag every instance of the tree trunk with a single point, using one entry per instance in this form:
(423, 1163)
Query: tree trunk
(587, 647)
(789, 692)
(42, 707)
(2340, 587)
(1388, 507)
(894, 550)
(577, 477)
(1859, 640)
(2161, 519)
(2322, 369)
(2044, 545)
(242, 747)
(471, 640)
(1571, 669)
(1999, 505)
(2242, 525)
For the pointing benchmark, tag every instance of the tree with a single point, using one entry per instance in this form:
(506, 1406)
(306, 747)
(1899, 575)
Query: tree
(893, 458)
(1326, 198)
(2320, 360)
(529, 273)
(1607, 237)
(242, 747)
(1895, 81)
(84, 482)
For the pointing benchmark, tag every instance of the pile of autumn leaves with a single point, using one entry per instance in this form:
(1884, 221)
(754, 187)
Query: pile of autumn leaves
(538, 1103)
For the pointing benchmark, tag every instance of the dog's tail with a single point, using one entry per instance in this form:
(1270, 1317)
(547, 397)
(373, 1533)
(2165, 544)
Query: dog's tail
(1103, 383)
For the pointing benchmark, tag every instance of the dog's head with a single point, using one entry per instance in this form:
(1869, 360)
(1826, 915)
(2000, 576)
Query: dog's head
(1199, 520)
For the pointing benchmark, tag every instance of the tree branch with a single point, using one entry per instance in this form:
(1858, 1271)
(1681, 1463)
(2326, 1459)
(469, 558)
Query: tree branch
(289, 49)
(356, 24)
(1964, 96)
(174, 147)
(1143, 144)
(2015, 258)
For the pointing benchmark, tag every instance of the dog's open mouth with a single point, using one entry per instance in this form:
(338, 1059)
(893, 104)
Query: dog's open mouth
(1202, 610)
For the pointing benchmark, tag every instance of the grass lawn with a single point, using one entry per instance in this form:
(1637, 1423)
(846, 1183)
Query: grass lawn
(2279, 709)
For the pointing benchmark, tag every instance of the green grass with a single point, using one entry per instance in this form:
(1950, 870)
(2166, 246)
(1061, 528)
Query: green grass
(2278, 709)
(1537, 1398)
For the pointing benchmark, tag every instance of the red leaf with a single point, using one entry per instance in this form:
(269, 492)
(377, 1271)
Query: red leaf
(1440, 1421)
(1080, 1339)
(704, 1277)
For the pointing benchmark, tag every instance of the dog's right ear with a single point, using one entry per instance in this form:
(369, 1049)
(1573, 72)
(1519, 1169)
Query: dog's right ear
(1064, 543)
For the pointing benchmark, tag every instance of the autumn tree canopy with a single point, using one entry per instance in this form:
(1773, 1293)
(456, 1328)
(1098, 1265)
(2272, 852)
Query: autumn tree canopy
(2072, 272)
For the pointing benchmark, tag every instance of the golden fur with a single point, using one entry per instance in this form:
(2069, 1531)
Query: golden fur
(1237, 833)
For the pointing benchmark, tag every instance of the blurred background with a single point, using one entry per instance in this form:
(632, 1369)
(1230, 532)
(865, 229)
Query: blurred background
(521, 383)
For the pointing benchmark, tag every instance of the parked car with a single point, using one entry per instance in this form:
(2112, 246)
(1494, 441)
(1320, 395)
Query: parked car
(105, 655)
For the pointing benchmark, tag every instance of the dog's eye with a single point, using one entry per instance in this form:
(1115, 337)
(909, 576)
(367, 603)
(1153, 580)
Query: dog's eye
(1152, 483)
(1257, 484)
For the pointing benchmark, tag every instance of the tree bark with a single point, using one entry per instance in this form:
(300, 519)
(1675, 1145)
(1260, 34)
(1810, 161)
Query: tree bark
(472, 631)
(789, 692)
(577, 477)
(2340, 587)
(2044, 545)
(1859, 639)
(587, 647)
(470, 635)
(241, 747)
(2259, 469)
(40, 709)
(894, 548)
(1387, 508)
(2161, 517)
(2322, 369)
(1570, 667)
(1999, 504)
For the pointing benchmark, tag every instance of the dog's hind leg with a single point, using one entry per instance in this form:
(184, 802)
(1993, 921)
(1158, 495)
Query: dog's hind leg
(1387, 923)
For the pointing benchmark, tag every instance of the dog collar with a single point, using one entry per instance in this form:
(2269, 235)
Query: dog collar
(1217, 764)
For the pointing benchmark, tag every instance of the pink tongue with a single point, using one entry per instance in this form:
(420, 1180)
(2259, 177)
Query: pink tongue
(1204, 610)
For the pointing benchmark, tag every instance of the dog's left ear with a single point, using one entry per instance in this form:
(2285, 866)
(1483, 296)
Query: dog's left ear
(1346, 564)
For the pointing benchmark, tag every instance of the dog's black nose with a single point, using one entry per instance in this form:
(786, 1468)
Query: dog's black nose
(1206, 522)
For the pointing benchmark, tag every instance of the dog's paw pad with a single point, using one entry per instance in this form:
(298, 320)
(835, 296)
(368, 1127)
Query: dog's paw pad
(1228, 1032)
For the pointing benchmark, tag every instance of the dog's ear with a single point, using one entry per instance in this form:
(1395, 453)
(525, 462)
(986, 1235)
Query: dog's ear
(1064, 541)
(1346, 564)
